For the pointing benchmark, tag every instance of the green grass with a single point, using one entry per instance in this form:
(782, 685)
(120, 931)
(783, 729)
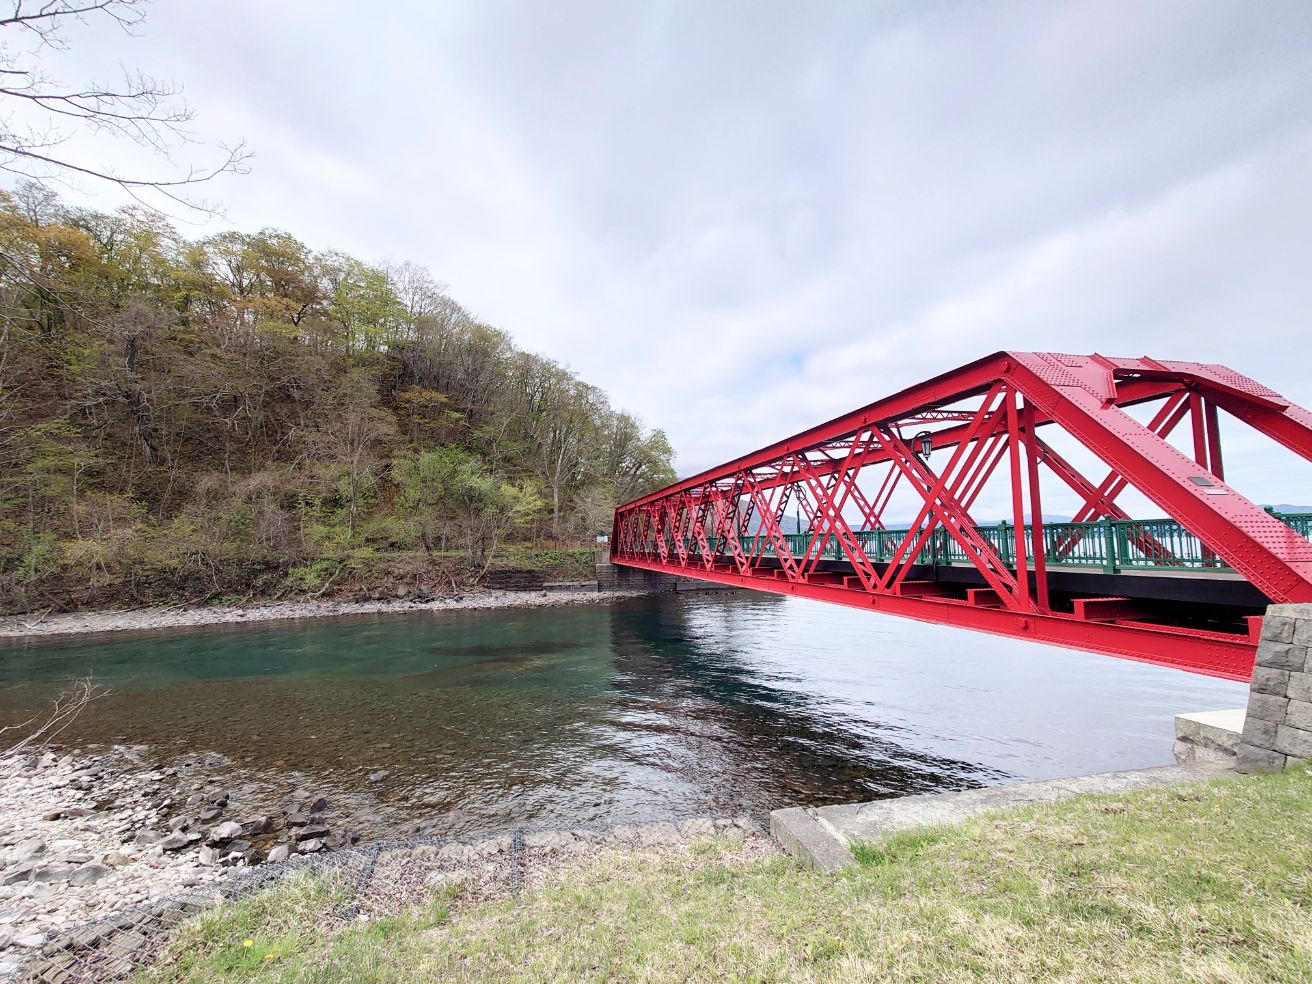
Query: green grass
(1210, 883)
(556, 565)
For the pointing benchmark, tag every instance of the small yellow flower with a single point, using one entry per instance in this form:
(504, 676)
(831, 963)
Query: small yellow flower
(268, 956)
(247, 942)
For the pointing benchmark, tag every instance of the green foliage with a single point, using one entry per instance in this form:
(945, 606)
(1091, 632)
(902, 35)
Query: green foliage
(178, 416)
(41, 557)
(312, 577)
(453, 493)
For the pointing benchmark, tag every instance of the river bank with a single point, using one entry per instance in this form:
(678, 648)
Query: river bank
(84, 623)
(1203, 882)
(89, 835)
(83, 836)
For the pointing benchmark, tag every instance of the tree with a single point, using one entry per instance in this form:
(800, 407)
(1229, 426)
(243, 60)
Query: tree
(361, 300)
(632, 462)
(268, 276)
(419, 295)
(348, 442)
(455, 496)
(42, 113)
(182, 418)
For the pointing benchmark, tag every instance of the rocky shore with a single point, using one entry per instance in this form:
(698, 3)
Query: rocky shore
(76, 623)
(101, 834)
(86, 835)
(82, 837)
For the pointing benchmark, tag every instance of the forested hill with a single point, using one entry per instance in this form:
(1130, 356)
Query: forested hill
(242, 416)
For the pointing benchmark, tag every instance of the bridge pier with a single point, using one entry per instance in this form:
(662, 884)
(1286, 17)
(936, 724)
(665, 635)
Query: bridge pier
(1278, 723)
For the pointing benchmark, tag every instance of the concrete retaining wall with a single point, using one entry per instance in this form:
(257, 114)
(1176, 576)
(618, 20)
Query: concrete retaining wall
(613, 578)
(1278, 725)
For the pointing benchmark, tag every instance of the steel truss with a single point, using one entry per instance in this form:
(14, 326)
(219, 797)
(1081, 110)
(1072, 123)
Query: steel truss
(945, 439)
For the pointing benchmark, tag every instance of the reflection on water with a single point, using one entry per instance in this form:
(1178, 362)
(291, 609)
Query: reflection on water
(657, 709)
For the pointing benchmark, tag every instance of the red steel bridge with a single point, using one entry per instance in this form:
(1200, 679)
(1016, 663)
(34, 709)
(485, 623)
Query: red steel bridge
(1187, 590)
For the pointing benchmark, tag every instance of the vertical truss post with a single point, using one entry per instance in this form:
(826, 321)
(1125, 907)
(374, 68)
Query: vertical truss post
(658, 528)
(682, 513)
(1011, 408)
(699, 530)
(1038, 544)
(1215, 465)
(1199, 426)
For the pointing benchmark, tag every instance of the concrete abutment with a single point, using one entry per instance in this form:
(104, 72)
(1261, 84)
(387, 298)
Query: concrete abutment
(617, 577)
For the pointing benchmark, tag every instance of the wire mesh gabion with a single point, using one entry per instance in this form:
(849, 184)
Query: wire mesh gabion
(369, 881)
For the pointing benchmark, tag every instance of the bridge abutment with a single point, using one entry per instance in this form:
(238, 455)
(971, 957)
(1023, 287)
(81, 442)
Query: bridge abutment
(617, 577)
(613, 577)
(1278, 723)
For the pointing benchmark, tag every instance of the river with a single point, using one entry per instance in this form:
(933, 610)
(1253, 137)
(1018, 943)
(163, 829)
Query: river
(655, 709)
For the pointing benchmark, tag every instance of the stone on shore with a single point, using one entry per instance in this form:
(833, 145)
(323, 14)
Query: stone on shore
(226, 831)
(88, 874)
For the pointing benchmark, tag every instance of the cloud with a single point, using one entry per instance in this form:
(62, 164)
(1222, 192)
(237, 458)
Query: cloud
(741, 219)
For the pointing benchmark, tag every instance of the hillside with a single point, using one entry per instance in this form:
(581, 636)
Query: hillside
(245, 417)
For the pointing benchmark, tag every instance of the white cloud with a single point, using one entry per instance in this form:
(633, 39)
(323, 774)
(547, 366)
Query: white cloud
(743, 219)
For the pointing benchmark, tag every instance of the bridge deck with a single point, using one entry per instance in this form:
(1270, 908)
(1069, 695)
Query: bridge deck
(1184, 591)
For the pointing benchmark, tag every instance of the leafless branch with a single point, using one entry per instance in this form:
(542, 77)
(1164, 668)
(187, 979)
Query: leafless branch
(140, 109)
(63, 712)
(46, 19)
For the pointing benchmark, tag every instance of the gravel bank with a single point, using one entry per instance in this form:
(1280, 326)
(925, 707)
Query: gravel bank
(77, 623)
(93, 836)
(72, 848)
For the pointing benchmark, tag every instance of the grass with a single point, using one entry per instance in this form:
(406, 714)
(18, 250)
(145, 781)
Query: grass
(566, 564)
(1210, 883)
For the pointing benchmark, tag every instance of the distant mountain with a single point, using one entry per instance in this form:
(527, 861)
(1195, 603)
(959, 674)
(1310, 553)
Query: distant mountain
(789, 524)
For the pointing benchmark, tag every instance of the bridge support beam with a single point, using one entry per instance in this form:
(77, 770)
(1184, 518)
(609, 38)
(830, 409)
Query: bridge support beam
(1278, 724)
(946, 440)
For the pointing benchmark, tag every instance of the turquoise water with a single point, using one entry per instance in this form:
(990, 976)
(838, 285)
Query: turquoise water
(656, 709)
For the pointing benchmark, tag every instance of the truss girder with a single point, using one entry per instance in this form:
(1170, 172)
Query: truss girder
(986, 417)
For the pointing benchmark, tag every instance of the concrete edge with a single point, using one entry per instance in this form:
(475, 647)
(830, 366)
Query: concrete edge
(1212, 729)
(822, 836)
(801, 835)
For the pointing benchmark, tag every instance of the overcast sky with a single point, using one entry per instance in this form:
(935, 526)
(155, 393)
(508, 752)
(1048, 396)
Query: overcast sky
(741, 219)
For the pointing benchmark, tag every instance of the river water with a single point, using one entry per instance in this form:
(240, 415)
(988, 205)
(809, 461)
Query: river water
(656, 709)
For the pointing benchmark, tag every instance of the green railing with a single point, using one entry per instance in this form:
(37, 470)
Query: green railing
(1110, 545)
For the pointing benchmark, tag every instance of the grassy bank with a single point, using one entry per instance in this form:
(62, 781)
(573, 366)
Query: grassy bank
(1206, 883)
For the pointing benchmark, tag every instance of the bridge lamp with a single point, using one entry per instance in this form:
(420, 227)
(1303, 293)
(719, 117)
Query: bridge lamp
(924, 444)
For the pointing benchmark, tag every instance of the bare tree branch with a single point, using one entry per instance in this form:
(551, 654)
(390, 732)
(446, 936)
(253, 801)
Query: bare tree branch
(46, 20)
(141, 110)
(63, 711)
